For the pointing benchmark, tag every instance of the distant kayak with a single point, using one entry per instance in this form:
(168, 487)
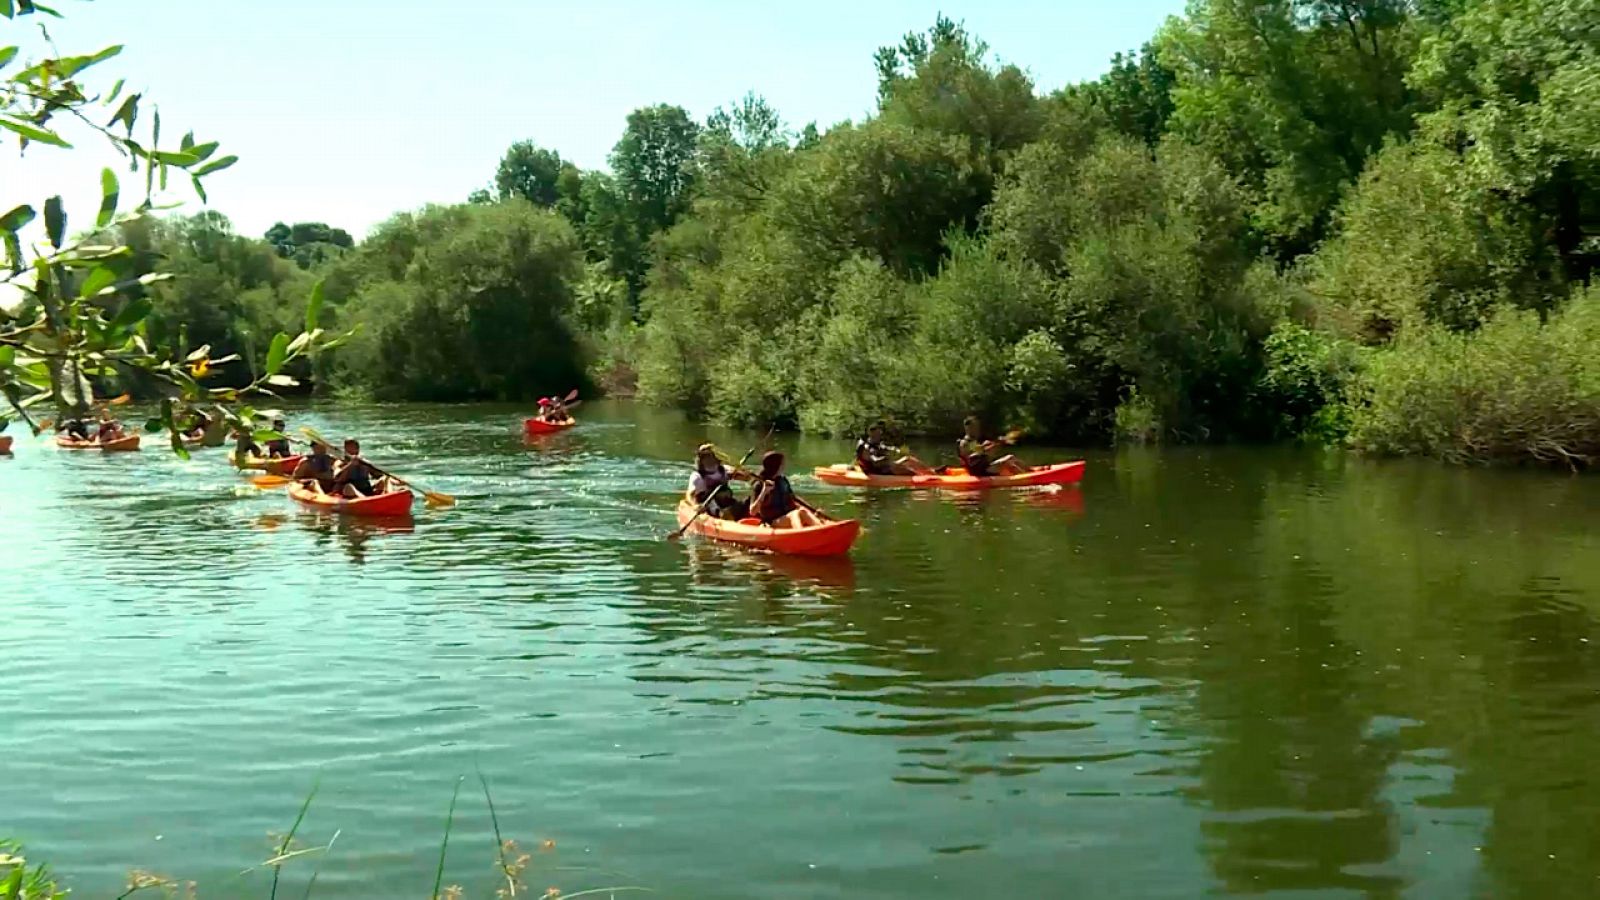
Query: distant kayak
(831, 538)
(955, 478)
(283, 465)
(5, 444)
(394, 503)
(536, 427)
(126, 442)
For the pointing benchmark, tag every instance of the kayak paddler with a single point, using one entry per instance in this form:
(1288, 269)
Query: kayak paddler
(355, 478)
(977, 454)
(279, 448)
(109, 429)
(316, 468)
(711, 479)
(772, 497)
(874, 457)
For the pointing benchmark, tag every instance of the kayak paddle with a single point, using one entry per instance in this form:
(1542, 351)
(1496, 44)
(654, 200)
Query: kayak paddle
(433, 498)
(704, 505)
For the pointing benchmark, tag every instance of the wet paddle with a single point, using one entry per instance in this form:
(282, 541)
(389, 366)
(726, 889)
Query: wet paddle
(704, 505)
(433, 498)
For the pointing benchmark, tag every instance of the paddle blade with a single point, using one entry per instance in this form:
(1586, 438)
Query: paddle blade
(571, 396)
(269, 482)
(119, 400)
(434, 498)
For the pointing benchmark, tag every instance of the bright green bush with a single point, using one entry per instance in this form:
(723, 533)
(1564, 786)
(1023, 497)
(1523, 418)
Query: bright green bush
(1514, 391)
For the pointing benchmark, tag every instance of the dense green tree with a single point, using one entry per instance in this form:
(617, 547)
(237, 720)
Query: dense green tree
(479, 311)
(655, 165)
(530, 172)
(1292, 96)
(1135, 95)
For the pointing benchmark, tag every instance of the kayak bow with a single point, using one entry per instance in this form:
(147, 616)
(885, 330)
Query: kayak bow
(953, 479)
(831, 538)
(537, 427)
(283, 465)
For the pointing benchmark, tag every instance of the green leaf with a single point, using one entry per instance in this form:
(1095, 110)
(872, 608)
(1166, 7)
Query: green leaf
(261, 437)
(116, 91)
(174, 158)
(187, 142)
(17, 217)
(199, 188)
(127, 113)
(314, 307)
(199, 354)
(152, 425)
(8, 356)
(7, 54)
(109, 192)
(203, 151)
(277, 353)
(131, 314)
(216, 165)
(8, 8)
(33, 132)
(55, 221)
(98, 279)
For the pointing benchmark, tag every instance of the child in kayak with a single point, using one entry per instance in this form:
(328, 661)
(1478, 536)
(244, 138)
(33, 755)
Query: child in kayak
(874, 457)
(712, 480)
(772, 497)
(975, 453)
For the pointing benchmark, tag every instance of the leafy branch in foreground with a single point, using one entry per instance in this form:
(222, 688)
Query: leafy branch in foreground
(73, 310)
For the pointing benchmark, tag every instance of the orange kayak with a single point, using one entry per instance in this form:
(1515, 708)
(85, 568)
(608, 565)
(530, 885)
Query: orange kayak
(954, 478)
(394, 503)
(283, 465)
(831, 538)
(5, 444)
(536, 427)
(126, 442)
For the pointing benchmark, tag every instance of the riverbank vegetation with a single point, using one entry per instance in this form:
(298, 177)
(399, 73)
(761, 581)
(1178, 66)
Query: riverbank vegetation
(1274, 221)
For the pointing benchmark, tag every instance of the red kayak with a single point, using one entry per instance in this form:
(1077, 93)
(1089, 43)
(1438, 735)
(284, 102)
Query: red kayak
(537, 427)
(396, 502)
(831, 538)
(954, 478)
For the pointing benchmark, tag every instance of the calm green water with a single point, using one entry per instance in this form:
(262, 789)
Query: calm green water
(1204, 673)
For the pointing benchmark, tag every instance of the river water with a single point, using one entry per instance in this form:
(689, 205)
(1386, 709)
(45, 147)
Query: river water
(1204, 672)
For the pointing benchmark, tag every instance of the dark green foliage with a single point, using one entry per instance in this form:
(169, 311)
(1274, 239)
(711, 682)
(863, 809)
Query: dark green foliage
(464, 302)
(309, 243)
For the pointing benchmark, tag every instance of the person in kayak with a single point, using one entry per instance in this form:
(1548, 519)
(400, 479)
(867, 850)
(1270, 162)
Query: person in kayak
(76, 428)
(244, 445)
(356, 478)
(109, 428)
(772, 497)
(874, 457)
(712, 480)
(977, 454)
(316, 468)
(278, 448)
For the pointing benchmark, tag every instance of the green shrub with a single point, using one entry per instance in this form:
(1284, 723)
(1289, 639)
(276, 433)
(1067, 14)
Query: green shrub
(1304, 382)
(1514, 391)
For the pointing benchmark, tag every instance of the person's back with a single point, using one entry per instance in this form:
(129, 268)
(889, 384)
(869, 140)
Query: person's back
(316, 466)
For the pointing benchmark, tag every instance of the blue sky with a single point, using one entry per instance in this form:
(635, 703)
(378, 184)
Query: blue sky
(347, 111)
